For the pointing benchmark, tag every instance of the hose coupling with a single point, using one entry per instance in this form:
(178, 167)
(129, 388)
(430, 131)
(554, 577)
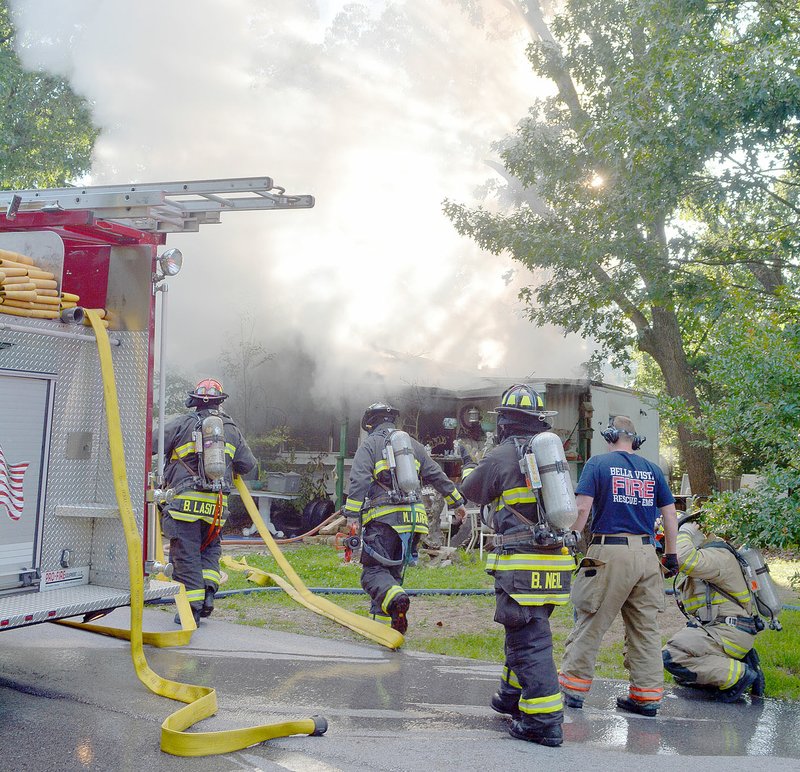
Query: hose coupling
(155, 567)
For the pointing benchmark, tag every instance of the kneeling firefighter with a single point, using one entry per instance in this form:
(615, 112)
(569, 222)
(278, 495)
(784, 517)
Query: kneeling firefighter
(722, 592)
(389, 469)
(531, 561)
(202, 450)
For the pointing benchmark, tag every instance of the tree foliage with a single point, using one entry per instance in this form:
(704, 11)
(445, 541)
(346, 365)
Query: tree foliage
(755, 368)
(663, 110)
(46, 130)
(177, 388)
(241, 358)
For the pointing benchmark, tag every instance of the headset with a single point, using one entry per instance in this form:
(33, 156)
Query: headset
(611, 434)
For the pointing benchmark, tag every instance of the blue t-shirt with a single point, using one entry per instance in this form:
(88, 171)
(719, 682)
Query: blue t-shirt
(628, 492)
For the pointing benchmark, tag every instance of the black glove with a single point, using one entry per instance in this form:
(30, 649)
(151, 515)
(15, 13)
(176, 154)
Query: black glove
(670, 563)
(465, 456)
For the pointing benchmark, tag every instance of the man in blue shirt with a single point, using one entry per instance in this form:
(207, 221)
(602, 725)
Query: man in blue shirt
(625, 494)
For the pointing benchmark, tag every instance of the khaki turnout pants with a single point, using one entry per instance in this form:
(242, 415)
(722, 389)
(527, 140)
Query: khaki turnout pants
(711, 654)
(616, 579)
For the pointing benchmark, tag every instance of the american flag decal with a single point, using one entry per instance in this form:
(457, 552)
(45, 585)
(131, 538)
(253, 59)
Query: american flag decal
(11, 495)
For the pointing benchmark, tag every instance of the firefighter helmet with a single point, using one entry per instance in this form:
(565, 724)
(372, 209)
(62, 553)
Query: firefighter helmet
(522, 400)
(208, 390)
(378, 413)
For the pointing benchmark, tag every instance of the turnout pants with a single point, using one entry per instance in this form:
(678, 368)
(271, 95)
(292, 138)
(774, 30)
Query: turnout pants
(382, 583)
(708, 656)
(196, 569)
(529, 676)
(616, 579)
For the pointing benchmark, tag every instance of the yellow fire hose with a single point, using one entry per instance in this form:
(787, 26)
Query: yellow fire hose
(296, 589)
(201, 701)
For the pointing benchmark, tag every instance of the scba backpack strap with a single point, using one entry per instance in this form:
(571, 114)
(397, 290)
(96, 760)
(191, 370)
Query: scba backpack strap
(763, 609)
(524, 451)
(398, 450)
(210, 448)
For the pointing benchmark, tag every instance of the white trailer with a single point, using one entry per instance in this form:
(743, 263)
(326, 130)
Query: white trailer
(584, 410)
(62, 545)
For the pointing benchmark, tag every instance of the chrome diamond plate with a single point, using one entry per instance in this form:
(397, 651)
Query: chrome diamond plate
(79, 408)
(30, 608)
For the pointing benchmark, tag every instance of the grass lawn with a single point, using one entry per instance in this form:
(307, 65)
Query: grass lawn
(464, 626)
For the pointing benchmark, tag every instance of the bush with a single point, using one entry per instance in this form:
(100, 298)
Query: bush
(765, 516)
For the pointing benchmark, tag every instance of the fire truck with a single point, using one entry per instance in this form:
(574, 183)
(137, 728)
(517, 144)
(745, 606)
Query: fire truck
(62, 546)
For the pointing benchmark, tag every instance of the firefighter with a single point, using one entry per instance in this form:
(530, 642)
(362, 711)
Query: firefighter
(202, 450)
(530, 579)
(715, 649)
(620, 574)
(393, 520)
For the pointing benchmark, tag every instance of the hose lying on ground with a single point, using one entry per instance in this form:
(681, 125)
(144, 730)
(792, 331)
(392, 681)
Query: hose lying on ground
(338, 591)
(296, 588)
(201, 701)
(292, 539)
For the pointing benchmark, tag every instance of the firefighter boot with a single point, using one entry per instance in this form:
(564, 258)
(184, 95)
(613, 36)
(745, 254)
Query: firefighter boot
(736, 692)
(398, 609)
(195, 613)
(550, 736)
(570, 700)
(208, 603)
(507, 704)
(752, 660)
(634, 706)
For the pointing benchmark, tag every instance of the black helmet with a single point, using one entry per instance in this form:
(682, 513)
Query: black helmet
(378, 413)
(522, 400)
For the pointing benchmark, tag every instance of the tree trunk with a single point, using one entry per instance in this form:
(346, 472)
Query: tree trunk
(663, 342)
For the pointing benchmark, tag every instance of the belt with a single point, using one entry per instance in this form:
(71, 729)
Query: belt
(744, 624)
(516, 539)
(601, 538)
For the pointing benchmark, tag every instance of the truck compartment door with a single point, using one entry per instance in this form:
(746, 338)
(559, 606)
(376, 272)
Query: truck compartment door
(26, 401)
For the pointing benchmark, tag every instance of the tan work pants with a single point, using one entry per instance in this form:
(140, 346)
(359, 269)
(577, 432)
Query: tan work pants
(617, 579)
(713, 653)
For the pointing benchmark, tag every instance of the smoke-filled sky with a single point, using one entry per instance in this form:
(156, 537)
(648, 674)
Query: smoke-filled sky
(379, 110)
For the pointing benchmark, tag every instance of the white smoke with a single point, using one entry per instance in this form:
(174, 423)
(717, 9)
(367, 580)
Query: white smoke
(380, 125)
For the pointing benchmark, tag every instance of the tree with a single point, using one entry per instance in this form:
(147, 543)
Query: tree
(46, 130)
(240, 361)
(656, 101)
(756, 368)
(177, 388)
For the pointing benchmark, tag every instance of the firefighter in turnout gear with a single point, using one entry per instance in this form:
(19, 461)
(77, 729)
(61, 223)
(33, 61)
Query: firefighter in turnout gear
(387, 468)
(620, 574)
(715, 650)
(203, 450)
(531, 578)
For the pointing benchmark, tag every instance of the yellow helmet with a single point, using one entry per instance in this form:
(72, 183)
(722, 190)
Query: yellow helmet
(523, 400)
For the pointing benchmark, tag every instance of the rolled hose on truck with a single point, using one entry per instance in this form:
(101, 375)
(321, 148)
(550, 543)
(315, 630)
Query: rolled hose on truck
(201, 701)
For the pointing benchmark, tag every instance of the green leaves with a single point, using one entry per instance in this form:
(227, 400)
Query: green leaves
(46, 130)
(665, 176)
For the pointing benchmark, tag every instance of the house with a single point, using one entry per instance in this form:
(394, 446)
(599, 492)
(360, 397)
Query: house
(438, 415)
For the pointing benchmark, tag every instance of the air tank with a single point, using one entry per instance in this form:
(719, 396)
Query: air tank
(213, 432)
(405, 462)
(760, 583)
(557, 492)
